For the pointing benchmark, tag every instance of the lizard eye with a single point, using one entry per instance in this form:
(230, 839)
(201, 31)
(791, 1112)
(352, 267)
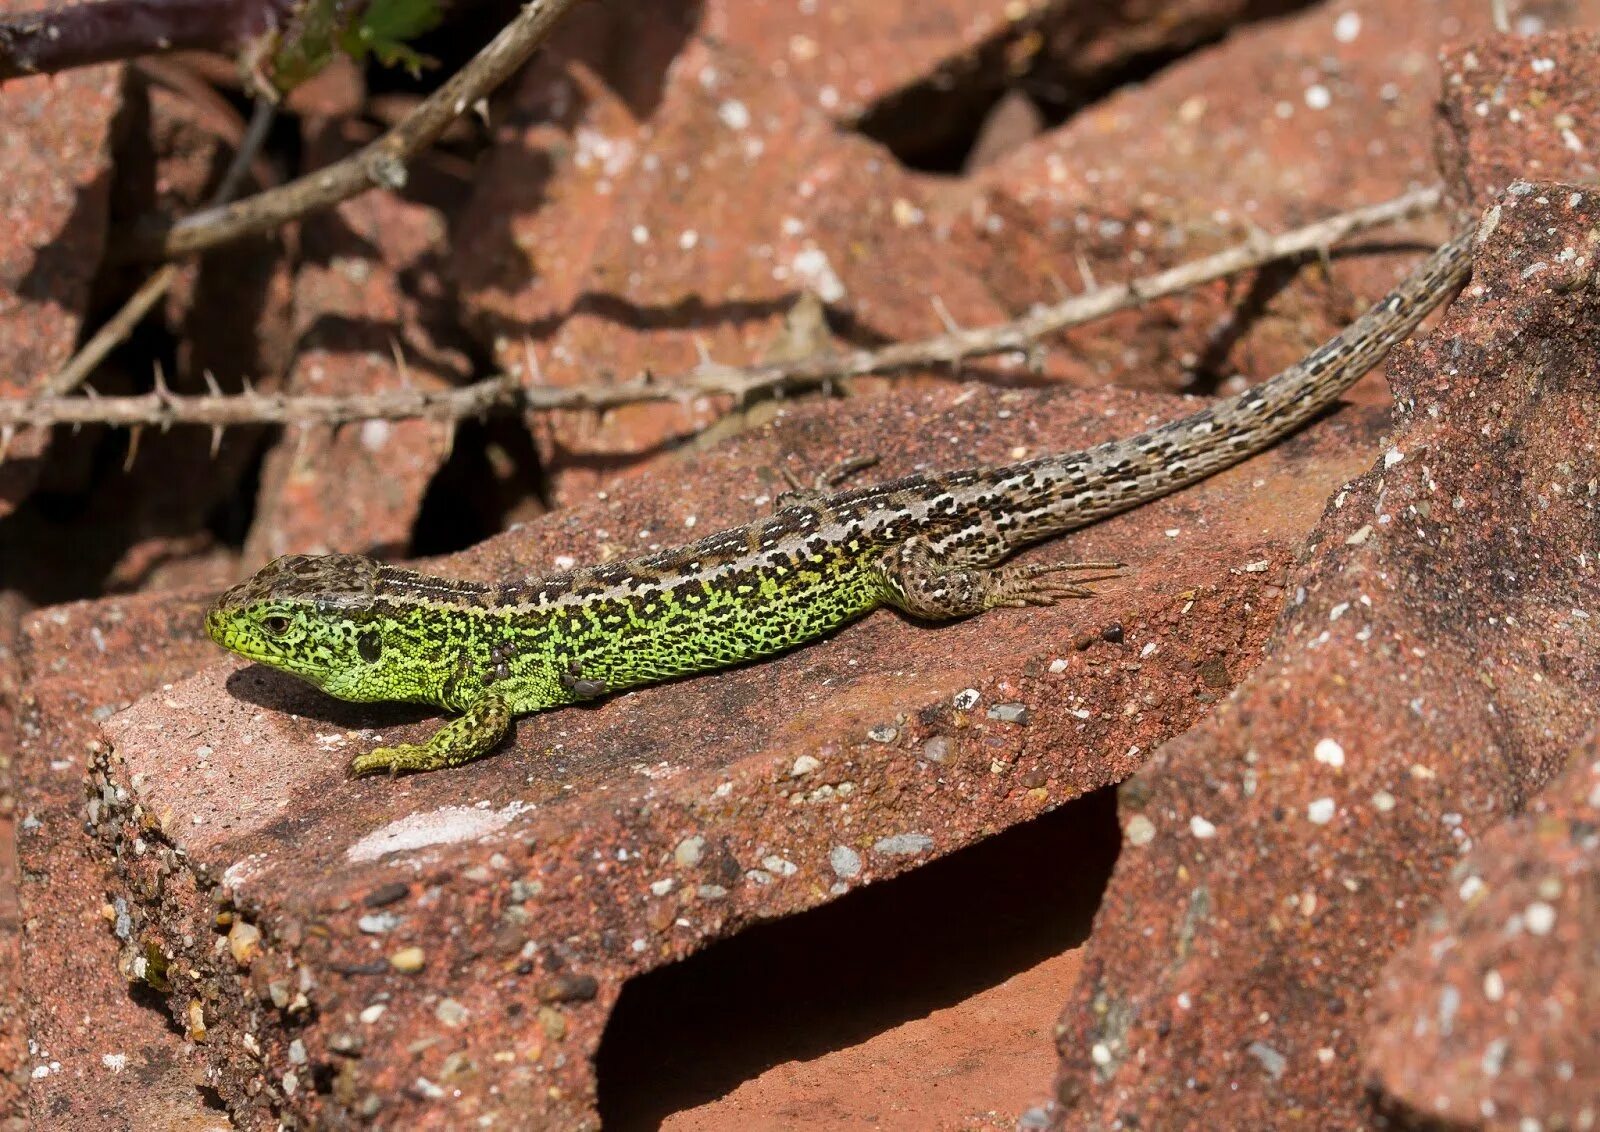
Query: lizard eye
(277, 625)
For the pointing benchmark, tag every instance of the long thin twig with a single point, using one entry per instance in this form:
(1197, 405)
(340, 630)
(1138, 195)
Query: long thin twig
(381, 163)
(121, 324)
(508, 392)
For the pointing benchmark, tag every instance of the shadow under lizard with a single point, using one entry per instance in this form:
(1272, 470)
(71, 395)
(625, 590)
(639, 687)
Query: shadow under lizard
(930, 545)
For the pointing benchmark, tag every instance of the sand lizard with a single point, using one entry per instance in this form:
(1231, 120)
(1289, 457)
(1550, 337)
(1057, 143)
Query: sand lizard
(930, 545)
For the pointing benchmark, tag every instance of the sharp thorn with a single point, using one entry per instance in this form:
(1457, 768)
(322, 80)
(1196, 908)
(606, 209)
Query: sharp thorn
(535, 369)
(1086, 275)
(216, 440)
(951, 326)
(133, 448)
(211, 383)
(400, 362)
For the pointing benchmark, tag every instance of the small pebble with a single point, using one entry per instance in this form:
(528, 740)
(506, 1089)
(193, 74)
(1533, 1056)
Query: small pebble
(408, 960)
(903, 844)
(378, 923)
(1539, 918)
(846, 862)
(1140, 830)
(1009, 713)
(1320, 812)
(689, 851)
(244, 940)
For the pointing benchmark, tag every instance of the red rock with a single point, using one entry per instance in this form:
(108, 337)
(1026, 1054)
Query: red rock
(848, 59)
(990, 1051)
(13, 1032)
(1518, 109)
(361, 299)
(917, 76)
(1488, 1020)
(1421, 686)
(493, 912)
(1279, 124)
(567, 136)
(738, 200)
(53, 201)
(97, 1056)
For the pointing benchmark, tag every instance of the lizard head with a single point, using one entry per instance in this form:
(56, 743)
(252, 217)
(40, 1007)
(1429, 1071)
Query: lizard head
(310, 616)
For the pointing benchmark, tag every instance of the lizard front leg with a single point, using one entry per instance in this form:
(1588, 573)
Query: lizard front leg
(917, 580)
(474, 733)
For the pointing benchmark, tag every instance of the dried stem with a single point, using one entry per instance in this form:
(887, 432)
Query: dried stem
(507, 393)
(382, 163)
(121, 324)
(77, 35)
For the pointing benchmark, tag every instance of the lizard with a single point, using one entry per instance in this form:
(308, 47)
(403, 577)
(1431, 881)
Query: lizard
(932, 546)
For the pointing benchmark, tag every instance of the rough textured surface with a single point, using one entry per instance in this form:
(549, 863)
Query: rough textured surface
(1279, 124)
(367, 305)
(13, 1031)
(1489, 1019)
(917, 76)
(608, 841)
(659, 237)
(863, 1086)
(99, 1056)
(53, 197)
(1522, 109)
(1278, 854)
(938, 1017)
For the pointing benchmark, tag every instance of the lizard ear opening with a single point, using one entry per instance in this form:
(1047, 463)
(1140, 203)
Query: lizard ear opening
(370, 647)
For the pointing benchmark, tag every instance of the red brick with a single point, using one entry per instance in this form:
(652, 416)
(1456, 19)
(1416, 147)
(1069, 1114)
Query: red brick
(53, 198)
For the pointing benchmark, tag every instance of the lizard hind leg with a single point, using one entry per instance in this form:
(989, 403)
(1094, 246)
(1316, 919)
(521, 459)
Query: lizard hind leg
(917, 580)
(469, 735)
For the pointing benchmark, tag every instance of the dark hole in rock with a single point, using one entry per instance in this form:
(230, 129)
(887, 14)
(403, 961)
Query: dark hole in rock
(491, 479)
(1060, 62)
(885, 954)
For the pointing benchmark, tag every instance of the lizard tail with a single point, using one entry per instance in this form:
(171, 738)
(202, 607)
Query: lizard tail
(1060, 493)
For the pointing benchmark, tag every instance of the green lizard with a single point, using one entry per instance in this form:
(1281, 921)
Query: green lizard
(928, 545)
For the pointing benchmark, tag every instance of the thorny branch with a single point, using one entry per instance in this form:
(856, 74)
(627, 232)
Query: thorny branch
(381, 163)
(508, 392)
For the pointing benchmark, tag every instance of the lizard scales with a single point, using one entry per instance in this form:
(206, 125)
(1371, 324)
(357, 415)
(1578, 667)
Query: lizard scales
(927, 544)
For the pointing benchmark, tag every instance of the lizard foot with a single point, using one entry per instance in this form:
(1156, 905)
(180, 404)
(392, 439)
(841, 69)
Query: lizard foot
(1041, 583)
(404, 759)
